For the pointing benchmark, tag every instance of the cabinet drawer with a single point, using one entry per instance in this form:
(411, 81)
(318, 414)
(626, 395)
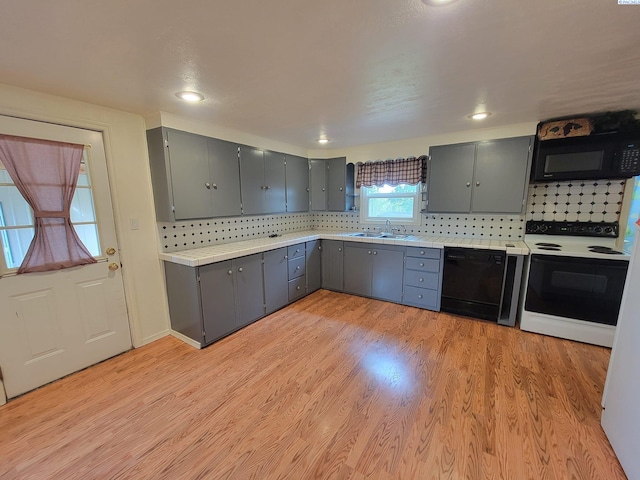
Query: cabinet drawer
(296, 267)
(294, 251)
(421, 297)
(423, 252)
(421, 279)
(296, 288)
(423, 264)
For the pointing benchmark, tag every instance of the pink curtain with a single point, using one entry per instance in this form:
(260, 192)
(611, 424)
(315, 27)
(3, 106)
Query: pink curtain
(46, 174)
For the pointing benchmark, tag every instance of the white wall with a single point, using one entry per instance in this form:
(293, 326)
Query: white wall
(130, 179)
(420, 146)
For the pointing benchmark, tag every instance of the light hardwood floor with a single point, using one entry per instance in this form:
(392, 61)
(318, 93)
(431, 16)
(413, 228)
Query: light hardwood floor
(333, 386)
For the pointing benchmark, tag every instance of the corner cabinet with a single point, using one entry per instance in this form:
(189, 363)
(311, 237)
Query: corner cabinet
(193, 176)
(331, 182)
(480, 177)
(209, 302)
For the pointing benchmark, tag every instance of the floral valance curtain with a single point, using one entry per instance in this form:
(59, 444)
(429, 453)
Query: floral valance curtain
(45, 173)
(410, 170)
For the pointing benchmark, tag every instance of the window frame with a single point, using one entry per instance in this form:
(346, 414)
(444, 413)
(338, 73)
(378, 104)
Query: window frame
(417, 207)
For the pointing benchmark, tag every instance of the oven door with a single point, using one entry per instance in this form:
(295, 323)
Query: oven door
(579, 288)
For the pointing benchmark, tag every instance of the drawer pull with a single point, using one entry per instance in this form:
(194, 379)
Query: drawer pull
(298, 287)
(369, 252)
(421, 279)
(375, 253)
(421, 252)
(420, 295)
(421, 264)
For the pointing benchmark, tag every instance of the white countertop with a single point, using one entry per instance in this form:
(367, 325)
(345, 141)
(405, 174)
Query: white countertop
(218, 253)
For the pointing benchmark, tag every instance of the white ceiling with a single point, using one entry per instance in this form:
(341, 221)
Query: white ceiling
(361, 71)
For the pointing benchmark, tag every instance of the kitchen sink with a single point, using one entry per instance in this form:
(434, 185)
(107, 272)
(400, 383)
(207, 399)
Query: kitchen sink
(366, 234)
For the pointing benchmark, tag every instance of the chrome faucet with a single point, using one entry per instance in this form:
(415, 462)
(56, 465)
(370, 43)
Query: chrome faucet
(387, 226)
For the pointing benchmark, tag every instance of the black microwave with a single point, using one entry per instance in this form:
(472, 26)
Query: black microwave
(590, 157)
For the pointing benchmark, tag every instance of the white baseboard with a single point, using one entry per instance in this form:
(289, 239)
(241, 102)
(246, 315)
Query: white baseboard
(153, 338)
(185, 339)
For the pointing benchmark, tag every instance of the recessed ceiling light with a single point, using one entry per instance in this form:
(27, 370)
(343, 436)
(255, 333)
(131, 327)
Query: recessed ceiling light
(480, 115)
(437, 3)
(322, 141)
(190, 96)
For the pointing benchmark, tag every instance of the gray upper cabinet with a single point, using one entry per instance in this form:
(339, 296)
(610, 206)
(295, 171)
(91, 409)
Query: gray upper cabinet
(193, 176)
(262, 175)
(318, 184)
(297, 183)
(331, 185)
(450, 176)
(479, 177)
(333, 265)
(502, 175)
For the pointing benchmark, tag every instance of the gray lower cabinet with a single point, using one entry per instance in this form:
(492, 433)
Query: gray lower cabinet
(297, 271)
(297, 183)
(423, 277)
(276, 279)
(314, 265)
(480, 177)
(208, 302)
(332, 259)
(262, 175)
(372, 270)
(193, 176)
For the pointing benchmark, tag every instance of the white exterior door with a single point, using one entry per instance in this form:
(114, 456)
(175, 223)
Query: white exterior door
(55, 323)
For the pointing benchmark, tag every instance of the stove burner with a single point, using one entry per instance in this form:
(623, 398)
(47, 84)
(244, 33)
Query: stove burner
(551, 245)
(555, 249)
(603, 250)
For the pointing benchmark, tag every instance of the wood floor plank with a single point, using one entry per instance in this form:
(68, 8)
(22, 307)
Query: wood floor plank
(333, 386)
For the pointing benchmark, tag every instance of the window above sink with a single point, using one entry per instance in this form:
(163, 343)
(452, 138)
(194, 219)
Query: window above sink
(399, 204)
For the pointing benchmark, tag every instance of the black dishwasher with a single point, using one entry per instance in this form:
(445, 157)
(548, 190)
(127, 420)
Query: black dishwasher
(472, 282)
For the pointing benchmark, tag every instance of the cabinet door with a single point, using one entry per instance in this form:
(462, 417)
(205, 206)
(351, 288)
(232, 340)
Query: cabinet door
(332, 259)
(249, 281)
(274, 183)
(189, 175)
(358, 267)
(252, 180)
(336, 185)
(313, 273)
(450, 178)
(218, 300)
(225, 178)
(318, 185)
(501, 176)
(297, 176)
(276, 281)
(386, 280)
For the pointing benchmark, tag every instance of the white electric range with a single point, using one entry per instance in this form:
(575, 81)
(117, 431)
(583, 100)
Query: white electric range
(574, 280)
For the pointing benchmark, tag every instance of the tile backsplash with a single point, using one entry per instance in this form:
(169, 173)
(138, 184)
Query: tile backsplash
(585, 201)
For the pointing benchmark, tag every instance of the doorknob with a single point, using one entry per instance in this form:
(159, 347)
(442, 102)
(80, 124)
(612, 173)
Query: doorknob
(111, 251)
(113, 267)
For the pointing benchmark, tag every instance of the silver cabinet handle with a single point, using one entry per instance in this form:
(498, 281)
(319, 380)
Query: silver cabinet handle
(341, 189)
(421, 252)
(208, 185)
(286, 257)
(240, 269)
(421, 264)
(323, 189)
(298, 287)
(229, 272)
(297, 251)
(340, 249)
(215, 186)
(477, 184)
(419, 295)
(375, 253)
(468, 184)
(421, 279)
(320, 247)
(298, 267)
(369, 252)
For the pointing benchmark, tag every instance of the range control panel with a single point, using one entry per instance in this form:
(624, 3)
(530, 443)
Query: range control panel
(576, 229)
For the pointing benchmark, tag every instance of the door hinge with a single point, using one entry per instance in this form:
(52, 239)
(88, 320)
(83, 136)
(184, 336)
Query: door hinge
(173, 208)
(198, 277)
(1, 376)
(204, 337)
